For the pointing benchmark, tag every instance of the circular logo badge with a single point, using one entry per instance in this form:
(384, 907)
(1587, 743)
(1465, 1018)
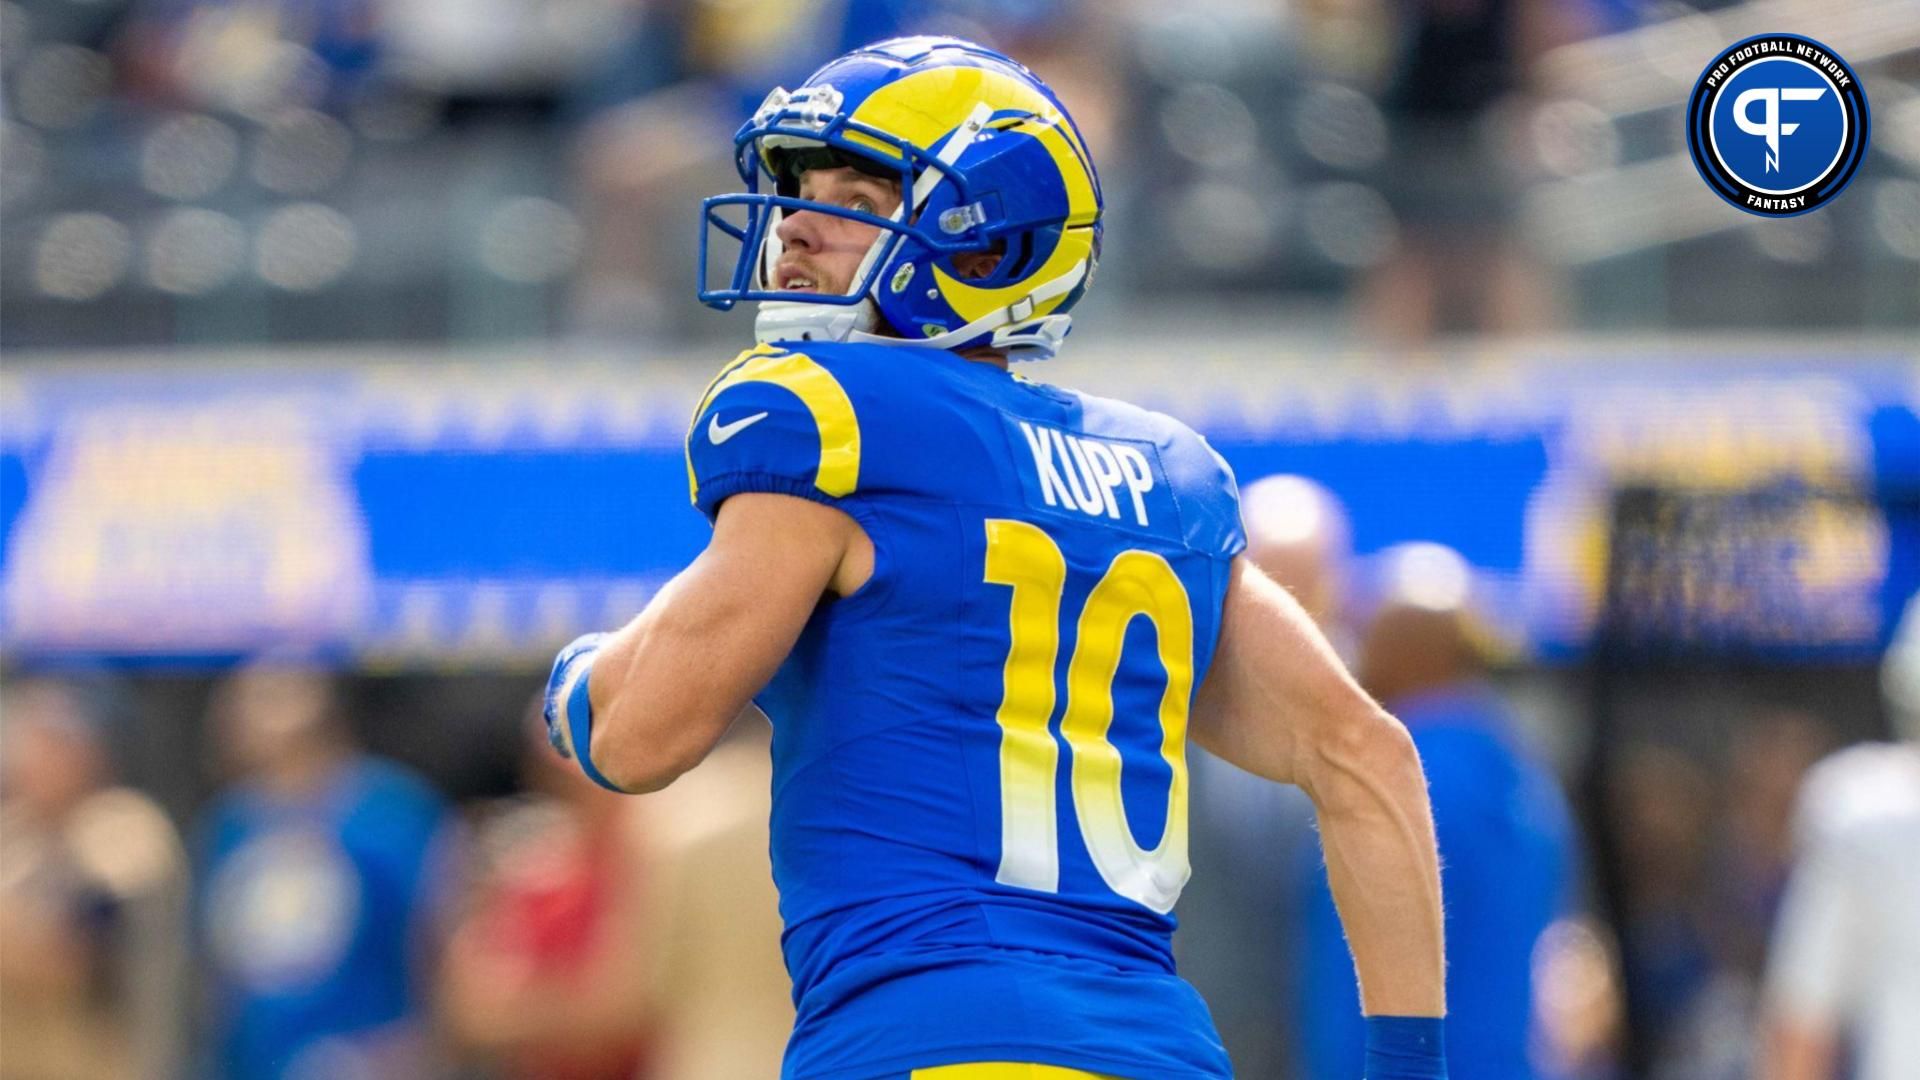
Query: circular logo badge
(1777, 125)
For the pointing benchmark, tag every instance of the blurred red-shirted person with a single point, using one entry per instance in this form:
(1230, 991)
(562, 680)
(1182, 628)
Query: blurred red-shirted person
(547, 970)
(627, 937)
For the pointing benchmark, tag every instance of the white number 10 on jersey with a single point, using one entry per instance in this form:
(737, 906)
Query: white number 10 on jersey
(1136, 583)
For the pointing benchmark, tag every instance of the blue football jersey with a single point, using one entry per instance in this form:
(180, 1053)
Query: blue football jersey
(980, 783)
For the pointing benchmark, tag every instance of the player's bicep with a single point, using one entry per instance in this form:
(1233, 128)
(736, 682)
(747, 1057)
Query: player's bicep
(669, 683)
(1275, 683)
(741, 605)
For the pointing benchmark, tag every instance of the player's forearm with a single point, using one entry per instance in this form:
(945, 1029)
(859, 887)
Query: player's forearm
(654, 716)
(1279, 704)
(629, 732)
(1376, 829)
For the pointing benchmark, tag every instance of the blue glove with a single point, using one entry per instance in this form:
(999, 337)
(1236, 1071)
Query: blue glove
(1406, 1048)
(569, 709)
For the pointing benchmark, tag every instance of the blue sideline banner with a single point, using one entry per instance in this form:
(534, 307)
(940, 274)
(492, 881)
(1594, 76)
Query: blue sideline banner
(415, 512)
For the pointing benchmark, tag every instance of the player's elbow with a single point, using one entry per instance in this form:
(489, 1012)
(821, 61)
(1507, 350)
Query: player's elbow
(1362, 760)
(642, 751)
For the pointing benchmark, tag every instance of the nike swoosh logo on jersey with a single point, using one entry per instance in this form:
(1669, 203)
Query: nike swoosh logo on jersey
(719, 432)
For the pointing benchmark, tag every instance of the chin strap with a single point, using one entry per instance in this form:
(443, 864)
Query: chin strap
(1038, 340)
(1013, 327)
(792, 320)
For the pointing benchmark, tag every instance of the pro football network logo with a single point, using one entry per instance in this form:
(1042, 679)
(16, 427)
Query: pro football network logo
(1777, 125)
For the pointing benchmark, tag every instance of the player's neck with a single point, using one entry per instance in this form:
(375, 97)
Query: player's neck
(985, 354)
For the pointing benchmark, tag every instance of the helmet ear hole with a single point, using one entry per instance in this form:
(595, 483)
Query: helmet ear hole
(1019, 258)
(1006, 260)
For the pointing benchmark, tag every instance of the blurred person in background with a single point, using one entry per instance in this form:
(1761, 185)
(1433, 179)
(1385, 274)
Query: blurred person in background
(1843, 978)
(722, 1001)
(1749, 867)
(1460, 264)
(1712, 851)
(1505, 832)
(1770, 756)
(1236, 948)
(545, 971)
(319, 869)
(1297, 531)
(620, 938)
(249, 56)
(1579, 1002)
(1664, 803)
(92, 899)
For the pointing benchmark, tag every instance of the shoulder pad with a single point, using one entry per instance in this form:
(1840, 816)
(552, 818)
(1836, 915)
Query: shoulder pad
(773, 420)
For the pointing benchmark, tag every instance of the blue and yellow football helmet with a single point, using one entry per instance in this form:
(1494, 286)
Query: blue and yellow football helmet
(987, 159)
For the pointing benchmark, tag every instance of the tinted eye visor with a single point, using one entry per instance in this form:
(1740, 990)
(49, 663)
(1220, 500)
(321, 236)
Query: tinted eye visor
(789, 165)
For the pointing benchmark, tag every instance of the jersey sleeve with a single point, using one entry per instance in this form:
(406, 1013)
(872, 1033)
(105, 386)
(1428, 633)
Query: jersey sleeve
(1208, 496)
(1232, 533)
(773, 421)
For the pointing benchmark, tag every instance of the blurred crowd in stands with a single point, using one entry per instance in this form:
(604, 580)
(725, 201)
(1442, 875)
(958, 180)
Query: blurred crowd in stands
(220, 172)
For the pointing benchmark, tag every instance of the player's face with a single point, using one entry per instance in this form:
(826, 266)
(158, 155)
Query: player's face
(822, 252)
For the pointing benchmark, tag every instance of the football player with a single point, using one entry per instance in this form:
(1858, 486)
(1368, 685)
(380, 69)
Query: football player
(984, 615)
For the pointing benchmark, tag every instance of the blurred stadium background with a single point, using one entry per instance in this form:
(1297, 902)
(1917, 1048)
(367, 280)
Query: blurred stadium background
(315, 311)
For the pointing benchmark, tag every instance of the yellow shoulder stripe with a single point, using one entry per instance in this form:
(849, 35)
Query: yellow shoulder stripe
(817, 389)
